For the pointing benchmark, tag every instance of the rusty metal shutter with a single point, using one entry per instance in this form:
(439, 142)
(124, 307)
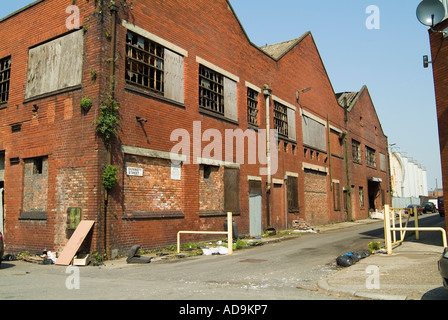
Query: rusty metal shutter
(231, 190)
(293, 196)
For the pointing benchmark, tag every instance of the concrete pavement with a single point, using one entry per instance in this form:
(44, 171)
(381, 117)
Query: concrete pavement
(410, 273)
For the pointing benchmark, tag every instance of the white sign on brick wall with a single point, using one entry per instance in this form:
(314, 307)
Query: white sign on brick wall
(132, 171)
(176, 171)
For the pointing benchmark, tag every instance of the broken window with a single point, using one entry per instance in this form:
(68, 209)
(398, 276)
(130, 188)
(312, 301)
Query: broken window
(145, 63)
(356, 151)
(370, 157)
(252, 107)
(281, 119)
(5, 75)
(211, 90)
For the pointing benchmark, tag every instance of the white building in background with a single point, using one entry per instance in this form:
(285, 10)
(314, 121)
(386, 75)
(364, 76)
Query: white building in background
(408, 177)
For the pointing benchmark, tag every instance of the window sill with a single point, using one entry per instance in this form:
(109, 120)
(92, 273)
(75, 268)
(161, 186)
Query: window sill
(147, 215)
(217, 116)
(148, 94)
(33, 215)
(210, 214)
(53, 93)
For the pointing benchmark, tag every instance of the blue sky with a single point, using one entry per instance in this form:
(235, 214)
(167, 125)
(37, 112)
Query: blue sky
(388, 60)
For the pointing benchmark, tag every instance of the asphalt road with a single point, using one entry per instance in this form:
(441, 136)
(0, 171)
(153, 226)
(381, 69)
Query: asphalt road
(287, 270)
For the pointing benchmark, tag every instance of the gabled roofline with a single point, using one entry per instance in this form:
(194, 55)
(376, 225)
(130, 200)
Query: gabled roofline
(293, 44)
(20, 10)
(355, 101)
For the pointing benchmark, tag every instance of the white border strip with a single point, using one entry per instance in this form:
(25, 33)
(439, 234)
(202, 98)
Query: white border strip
(217, 69)
(314, 167)
(312, 116)
(218, 163)
(150, 153)
(153, 37)
(253, 87)
(290, 106)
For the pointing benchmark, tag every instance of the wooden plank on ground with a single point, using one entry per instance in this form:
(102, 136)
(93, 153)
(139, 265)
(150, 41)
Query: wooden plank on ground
(72, 246)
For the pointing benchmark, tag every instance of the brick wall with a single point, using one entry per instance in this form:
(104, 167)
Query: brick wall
(52, 126)
(439, 52)
(203, 30)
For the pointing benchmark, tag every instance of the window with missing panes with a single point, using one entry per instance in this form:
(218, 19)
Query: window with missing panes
(370, 157)
(5, 75)
(281, 119)
(356, 151)
(211, 90)
(252, 107)
(144, 63)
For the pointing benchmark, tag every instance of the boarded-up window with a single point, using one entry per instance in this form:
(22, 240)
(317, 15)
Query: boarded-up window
(293, 195)
(35, 188)
(383, 162)
(337, 196)
(291, 124)
(231, 190)
(55, 65)
(230, 99)
(174, 76)
(313, 134)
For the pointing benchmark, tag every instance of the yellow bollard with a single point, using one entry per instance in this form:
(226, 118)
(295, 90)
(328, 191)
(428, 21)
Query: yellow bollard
(417, 234)
(230, 233)
(387, 239)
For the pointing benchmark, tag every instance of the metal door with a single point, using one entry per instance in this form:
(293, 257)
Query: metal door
(255, 208)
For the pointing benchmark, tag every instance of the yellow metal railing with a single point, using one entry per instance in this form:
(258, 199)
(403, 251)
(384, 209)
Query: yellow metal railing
(229, 234)
(389, 219)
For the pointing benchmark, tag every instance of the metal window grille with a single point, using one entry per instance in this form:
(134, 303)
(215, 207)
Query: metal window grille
(252, 107)
(281, 119)
(5, 75)
(211, 90)
(144, 63)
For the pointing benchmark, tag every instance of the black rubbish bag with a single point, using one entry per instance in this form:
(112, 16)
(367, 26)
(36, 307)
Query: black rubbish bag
(345, 260)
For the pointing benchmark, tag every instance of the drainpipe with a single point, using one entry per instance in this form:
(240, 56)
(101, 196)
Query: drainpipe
(267, 94)
(347, 172)
(329, 152)
(113, 11)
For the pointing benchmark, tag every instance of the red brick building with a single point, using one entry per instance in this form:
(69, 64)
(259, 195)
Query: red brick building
(186, 84)
(439, 52)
